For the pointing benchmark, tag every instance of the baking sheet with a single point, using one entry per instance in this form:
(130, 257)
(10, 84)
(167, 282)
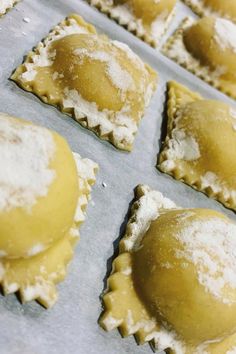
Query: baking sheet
(71, 325)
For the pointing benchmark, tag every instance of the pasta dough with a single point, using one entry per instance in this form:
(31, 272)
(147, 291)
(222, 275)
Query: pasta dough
(195, 150)
(148, 19)
(207, 48)
(6, 5)
(38, 215)
(169, 284)
(33, 179)
(225, 9)
(102, 83)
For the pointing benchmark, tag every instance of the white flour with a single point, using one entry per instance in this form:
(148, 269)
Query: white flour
(183, 147)
(6, 4)
(25, 155)
(225, 34)
(119, 77)
(211, 246)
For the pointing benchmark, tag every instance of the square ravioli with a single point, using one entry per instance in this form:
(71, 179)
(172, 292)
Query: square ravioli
(216, 8)
(39, 217)
(147, 19)
(207, 48)
(100, 82)
(195, 150)
(6, 5)
(168, 285)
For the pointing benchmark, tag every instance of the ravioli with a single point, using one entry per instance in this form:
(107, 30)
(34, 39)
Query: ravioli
(39, 217)
(101, 83)
(169, 284)
(207, 48)
(221, 8)
(147, 19)
(195, 151)
(6, 5)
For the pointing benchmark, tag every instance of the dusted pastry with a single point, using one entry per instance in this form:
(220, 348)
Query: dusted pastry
(6, 5)
(216, 8)
(173, 283)
(100, 82)
(207, 48)
(147, 19)
(43, 195)
(195, 151)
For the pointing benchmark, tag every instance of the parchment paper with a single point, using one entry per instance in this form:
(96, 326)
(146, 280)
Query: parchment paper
(71, 325)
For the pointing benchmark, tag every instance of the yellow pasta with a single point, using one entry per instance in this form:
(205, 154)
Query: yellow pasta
(7, 5)
(44, 192)
(147, 19)
(169, 285)
(100, 82)
(195, 150)
(207, 48)
(216, 8)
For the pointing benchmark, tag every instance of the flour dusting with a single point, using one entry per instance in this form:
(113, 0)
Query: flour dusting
(26, 151)
(119, 77)
(225, 34)
(6, 4)
(211, 246)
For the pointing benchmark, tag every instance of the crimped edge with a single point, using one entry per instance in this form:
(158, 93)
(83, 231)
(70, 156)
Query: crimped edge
(192, 64)
(122, 144)
(146, 329)
(133, 26)
(201, 10)
(44, 289)
(173, 103)
(8, 8)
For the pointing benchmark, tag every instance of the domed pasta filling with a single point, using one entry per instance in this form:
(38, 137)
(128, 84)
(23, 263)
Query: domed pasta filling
(26, 154)
(195, 150)
(101, 83)
(37, 233)
(207, 48)
(174, 281)
(147, 18)
(219, 36)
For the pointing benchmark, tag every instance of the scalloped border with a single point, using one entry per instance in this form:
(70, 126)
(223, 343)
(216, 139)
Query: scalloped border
(201, 10)
(9, 7)
(99, 129)
(175, 49)
(133, 26)
(44, 290)
(144, 210)
(173, 102)
(147, 207)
